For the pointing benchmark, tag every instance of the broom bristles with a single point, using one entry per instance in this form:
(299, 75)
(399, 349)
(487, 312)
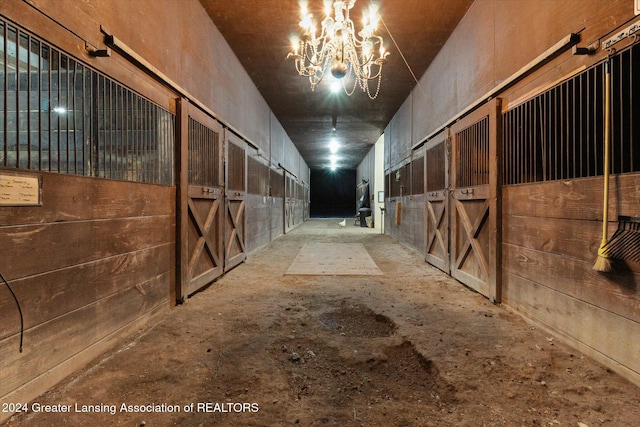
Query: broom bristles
(603, 264)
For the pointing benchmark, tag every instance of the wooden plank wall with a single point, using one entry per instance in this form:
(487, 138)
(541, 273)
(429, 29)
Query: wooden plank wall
(494, 40)
(399, 135)
(551, 230)
(177, 53)
(265, 213)
(299, 208)
(97, 256)
(258, 203)
(405, 211)
(97, 259)
(551, 234)
(487, 47)
(258, 209)
(411, 230)
(277, 203)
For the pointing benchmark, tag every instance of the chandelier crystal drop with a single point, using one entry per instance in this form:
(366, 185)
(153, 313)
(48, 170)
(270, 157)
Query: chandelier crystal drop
(349, 57)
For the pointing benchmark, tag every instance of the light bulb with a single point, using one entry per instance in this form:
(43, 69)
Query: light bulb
(327, 8)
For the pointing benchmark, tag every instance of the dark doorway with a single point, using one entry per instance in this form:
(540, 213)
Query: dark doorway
(333, 193)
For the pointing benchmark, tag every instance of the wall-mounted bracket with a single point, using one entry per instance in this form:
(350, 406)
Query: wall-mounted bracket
(588, 50)
(97, 53)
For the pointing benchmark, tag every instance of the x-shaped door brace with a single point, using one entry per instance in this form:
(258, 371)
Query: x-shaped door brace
(234, 225)
(471, 232)
(290, 211)
(436, 221)
(204, 240)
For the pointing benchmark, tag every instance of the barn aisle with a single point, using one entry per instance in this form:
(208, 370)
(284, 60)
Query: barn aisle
(266, 346)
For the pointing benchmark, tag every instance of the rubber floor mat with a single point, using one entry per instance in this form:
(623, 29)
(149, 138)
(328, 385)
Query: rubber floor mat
(333, 259)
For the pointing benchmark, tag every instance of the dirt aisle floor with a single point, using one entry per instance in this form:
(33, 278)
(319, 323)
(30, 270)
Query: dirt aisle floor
(410, 347)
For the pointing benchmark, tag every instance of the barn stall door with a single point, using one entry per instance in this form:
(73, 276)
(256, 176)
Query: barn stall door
(474, 203)
(289, 202)
(234, 223)
(305, 201)
(437, 203)
(201, 205)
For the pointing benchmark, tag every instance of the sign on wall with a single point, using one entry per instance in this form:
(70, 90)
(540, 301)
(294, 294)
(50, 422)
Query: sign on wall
(19, 190)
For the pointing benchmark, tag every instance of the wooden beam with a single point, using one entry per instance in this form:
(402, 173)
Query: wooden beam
(182, 227)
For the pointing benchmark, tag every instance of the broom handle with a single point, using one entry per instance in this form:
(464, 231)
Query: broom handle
(607, 126)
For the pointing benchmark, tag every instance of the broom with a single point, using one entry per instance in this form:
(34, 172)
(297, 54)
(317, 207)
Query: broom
(603, 263)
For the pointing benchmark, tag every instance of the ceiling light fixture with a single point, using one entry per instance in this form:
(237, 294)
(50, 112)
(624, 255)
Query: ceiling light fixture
(333, 146)
(333, 161)
(357, 57)
(336, 86)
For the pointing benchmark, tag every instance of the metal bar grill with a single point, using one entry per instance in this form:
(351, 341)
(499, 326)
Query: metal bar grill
(473, 153)
(203, 154)
(287, 186)
(22, 107)
(625, 121)
(276, 184)
(436, 168)
(417, 176)
(58, 115)
(405, 181)
(396, 187)
(387, 189)
(235, 163)
(559, 133)
(4, 99)
(258, 179)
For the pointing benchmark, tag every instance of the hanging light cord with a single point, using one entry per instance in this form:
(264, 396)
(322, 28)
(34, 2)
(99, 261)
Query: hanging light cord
(6, 282)
(400, 52)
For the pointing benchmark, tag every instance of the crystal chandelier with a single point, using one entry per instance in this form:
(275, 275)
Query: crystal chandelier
(350, 57)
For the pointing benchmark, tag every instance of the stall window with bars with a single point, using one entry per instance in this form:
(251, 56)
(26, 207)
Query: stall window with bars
(400, 181)
(300, 193)
(559, 134)
(406, 180)
(258, 177)
(473, 155)
(235, 160)
(387, 189)
(625, 111)
(204, 158)
(436, 168)
(288, 184)
(417, 176)
(58, 115)
(276, 183)
(395, 183)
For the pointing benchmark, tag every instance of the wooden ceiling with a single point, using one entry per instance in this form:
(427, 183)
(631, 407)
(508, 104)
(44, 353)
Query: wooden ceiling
(258, 32)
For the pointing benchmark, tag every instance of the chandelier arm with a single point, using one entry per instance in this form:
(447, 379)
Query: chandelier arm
(322, 33)
(366, 61)
(348, 54)
(309, 59)
(378, 74)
